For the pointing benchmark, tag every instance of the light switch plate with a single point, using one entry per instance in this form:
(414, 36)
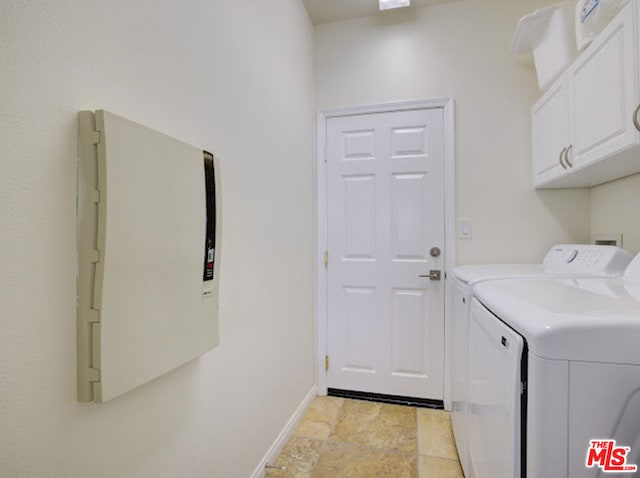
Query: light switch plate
(464, 228)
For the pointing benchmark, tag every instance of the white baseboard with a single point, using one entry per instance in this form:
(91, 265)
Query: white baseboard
(283, 436)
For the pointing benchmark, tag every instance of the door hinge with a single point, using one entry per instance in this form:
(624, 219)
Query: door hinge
(95, 136)
(326, 363)
(326, 258)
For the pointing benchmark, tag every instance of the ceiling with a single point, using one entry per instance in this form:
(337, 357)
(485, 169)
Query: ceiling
(325, 11)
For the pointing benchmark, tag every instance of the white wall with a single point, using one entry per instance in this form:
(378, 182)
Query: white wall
(461, 50)
(234, 77)
(614, 209)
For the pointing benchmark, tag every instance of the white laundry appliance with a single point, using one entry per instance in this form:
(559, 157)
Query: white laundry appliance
(555, 377)
(573, 260)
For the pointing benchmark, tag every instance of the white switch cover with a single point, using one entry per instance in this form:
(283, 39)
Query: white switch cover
(464, 228)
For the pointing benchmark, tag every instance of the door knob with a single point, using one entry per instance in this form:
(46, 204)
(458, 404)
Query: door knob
(434, 274)
(434, 251)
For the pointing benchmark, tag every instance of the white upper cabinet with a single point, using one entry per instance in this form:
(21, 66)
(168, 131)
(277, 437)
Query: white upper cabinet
(550, 132)
(602, 93)
(596, 98)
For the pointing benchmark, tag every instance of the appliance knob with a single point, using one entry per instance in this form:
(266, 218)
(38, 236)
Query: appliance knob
(571, 256)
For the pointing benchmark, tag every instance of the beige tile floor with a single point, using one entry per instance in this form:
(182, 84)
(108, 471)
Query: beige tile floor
(341, 438)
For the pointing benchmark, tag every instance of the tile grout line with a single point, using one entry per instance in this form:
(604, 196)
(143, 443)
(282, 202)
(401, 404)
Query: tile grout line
(417, 445)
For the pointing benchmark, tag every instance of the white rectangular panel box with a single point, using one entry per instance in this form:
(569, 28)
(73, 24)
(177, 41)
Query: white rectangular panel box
(148, 250)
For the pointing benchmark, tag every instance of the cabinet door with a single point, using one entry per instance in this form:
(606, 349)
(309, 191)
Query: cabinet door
(603, 98)
(550, 133)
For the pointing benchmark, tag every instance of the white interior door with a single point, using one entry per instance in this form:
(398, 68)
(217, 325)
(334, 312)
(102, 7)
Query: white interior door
(385, 208)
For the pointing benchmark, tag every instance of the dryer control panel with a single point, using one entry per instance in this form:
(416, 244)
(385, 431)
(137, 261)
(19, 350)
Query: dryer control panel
(586, 259)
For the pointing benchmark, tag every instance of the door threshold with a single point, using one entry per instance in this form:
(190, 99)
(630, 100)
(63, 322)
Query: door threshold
(390, 399)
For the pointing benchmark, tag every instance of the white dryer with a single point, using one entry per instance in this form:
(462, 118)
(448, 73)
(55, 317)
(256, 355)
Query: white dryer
(572, 260)
(554, 364)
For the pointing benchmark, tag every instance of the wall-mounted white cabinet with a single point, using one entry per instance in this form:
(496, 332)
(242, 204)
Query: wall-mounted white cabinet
(583, 130)
(148, 254)
(550, 132)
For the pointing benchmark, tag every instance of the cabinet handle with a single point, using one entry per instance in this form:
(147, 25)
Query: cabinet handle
(636, 123)
(564, 166)
(566, 156)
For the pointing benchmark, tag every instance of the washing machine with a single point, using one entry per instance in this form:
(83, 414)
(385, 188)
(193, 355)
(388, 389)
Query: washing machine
(572, 260)
(554, 377)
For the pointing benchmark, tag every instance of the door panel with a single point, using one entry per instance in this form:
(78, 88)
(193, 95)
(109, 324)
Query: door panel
(359, 306)
(385, 180)
(408, 142)
(409, 306)
(360, 217)
(407, 213)
(359, 145)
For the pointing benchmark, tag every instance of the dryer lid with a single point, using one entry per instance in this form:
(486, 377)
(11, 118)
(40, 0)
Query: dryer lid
(474, 272)
(586, 319)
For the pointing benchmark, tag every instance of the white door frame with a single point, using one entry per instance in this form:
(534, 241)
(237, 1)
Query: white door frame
(447, 106)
